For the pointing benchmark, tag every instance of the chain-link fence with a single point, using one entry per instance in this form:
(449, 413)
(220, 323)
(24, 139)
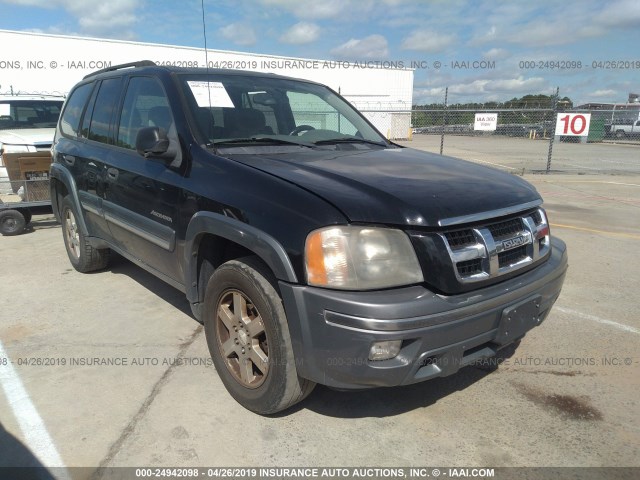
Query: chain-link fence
(520, 136)
(522, 123)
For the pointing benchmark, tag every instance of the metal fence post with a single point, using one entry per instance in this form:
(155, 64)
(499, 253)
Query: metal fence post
(444, 119)
(553, 133)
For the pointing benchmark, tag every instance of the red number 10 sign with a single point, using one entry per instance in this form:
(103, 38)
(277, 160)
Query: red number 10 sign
(573, 124)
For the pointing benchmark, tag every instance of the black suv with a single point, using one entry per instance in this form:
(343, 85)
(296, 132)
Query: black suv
(312, 249)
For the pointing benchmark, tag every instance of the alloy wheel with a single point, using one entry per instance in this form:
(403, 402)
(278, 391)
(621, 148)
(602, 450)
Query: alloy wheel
(242, 339)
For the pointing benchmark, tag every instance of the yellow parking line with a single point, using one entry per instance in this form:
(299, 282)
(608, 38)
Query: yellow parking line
(603, 232)
(593, 181)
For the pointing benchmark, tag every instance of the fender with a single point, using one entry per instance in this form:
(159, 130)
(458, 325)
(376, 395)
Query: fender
(60, 173)
(264, 245)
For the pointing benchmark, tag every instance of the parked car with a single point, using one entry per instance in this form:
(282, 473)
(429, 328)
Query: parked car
(623, 129)
(312, 249)
(27, 124)
(522, 130)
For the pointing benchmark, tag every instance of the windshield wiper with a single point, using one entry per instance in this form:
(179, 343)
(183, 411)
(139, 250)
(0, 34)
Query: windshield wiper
(349, 140)
(276, 141)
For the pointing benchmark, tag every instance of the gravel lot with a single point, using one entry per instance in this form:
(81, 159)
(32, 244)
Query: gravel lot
(569, 396)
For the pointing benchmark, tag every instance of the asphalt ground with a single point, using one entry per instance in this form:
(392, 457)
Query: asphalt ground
(518, 155)
(568, 397)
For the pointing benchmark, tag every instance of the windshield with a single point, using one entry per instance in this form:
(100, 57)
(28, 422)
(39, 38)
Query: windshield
(233, 109)
(29, 113)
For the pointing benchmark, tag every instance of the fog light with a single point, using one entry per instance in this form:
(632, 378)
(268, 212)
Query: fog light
(385, 350)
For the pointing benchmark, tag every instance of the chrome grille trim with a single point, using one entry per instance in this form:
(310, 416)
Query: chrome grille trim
(480, 217)
(532, 238)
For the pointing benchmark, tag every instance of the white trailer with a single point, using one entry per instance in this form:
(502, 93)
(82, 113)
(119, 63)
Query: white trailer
(52, 64)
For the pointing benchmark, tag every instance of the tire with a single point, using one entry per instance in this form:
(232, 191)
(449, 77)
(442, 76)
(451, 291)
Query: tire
(248, 338)
(12, 222)
(620, 134)
(27, 216)
(82, 256)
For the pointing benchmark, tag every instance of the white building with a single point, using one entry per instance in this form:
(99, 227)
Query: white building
(52, 64)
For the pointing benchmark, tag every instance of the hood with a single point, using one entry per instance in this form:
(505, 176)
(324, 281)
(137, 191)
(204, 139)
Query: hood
(27, 136)
(396, 186)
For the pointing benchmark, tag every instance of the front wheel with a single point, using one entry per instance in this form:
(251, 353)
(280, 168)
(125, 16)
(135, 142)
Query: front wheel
(248, 338)
(82, 255)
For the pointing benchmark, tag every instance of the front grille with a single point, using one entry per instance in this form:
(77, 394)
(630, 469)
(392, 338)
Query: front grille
(470, 267)
(511, 257)
(460, 238)
(492, 249)
(505, 229)
(537, 217)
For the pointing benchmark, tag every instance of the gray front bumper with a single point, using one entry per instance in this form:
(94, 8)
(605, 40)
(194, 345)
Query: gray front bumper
(332, 331)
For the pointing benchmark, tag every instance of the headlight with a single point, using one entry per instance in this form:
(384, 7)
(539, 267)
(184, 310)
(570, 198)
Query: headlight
(360, 258)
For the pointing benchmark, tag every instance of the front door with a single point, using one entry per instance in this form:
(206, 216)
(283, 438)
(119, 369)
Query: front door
(141, 194)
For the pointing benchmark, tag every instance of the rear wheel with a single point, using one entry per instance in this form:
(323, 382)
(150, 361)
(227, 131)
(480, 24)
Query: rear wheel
(620, 134)
(82, 256)
(12, 222)
(248, 338)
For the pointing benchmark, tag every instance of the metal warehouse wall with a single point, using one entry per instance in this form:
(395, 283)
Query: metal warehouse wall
(52, 64)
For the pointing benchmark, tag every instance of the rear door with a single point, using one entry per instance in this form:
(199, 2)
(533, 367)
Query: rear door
(87, 123)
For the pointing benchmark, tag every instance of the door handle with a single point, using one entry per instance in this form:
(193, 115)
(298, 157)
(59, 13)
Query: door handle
(69, 159)
(112, 173)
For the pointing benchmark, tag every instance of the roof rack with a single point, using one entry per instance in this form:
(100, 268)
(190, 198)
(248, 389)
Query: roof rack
(141, 63)
(17, 95)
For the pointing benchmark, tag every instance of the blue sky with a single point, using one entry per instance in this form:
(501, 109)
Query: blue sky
(541, 33)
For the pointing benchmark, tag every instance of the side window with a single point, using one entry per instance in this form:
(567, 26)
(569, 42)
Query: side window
(145, 105)
(106, 104)
(86, 119)
(70, 121)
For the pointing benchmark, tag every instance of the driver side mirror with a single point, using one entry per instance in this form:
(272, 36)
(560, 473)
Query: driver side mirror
(152, 141)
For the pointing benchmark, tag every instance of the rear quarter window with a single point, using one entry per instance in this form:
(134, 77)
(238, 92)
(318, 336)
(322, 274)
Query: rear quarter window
(102, 117)
(70, 120)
